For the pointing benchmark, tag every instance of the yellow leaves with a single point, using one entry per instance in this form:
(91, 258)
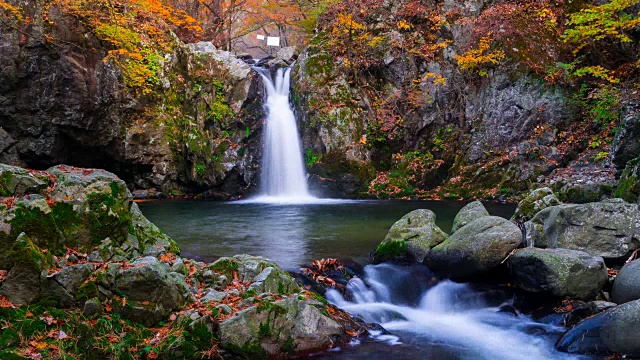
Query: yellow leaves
(597, 72)
(437, 79)
(11, 11)
(404, 25)
(363, 140)
(483, 55)
(345, 24)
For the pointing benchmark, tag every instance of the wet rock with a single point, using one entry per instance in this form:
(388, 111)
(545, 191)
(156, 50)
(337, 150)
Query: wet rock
(608, 229)
(290, 326)
(477, 247)
(627, 284)
(536, 201)
(612, 331)
(582, 310)
(558, 272)
(411, 237)
(467, 214)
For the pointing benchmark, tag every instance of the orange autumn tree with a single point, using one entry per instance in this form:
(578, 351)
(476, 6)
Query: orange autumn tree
(137, 32)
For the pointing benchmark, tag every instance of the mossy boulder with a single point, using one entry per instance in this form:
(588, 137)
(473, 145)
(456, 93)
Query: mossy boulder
(627, 284)
(468, 213)
(265, 275)
(28, 271)
(411, 238)
(629, 184)
(475, 248)
(558, 272)
(15, 181)
(610, 229)
(292, 326)
(536, 201)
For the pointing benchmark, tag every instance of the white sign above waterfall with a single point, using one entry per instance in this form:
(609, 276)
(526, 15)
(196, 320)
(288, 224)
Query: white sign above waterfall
(283, 173)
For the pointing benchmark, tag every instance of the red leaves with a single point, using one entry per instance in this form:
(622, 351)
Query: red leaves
(3, 276)
(5, 303)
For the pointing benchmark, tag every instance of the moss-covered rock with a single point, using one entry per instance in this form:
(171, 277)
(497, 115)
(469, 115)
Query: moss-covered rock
(28, 270)
(15, 181)
(475, 248)
(559, 272)
(629, 184)
(534, 202)
(469, 213)
(608, 229)
(288, 326)
(411, 238)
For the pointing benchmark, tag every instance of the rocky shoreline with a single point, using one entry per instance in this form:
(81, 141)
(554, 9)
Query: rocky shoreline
(81, 264)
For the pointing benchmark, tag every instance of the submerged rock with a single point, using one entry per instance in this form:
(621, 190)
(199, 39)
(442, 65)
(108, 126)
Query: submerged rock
(610, 229)
(411, 237)
(477, 247)
(288, 326)
(558, 272)
(627, 284)
(467, 214)
(612, 331)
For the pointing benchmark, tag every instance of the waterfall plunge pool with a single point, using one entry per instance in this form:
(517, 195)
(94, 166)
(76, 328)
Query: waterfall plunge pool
(445, 321)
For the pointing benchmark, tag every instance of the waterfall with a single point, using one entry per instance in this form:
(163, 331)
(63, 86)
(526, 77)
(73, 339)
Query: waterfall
(283, 174)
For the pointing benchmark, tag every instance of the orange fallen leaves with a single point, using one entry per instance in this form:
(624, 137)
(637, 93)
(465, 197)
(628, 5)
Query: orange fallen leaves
(3, 276)
(5, 303)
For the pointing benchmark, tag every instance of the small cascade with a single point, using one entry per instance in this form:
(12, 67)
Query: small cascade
(283, 174)
(458, 321)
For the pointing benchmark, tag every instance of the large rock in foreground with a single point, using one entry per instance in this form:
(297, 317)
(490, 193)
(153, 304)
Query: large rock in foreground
(610, 229)
(411, 237)
(467, 214)
(291, 325)
(477, 247)
(558, 272)
(627, 285)
(612, 331)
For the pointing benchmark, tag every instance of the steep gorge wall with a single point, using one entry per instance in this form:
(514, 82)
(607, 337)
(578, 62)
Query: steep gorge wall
(392, 123)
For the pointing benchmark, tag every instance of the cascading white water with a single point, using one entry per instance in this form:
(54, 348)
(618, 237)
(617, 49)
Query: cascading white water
(283, 174)
(448, 315)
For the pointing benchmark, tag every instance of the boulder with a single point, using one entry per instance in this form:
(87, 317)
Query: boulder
(477, 247)
(28, 271)
(467, 214)
(612, 331)
(15, 181)
(264, 275)
(610, 229)
(290, 326)
(627, 284)
(536, 201)
(149, 282)
(558, 272)
(411, 237)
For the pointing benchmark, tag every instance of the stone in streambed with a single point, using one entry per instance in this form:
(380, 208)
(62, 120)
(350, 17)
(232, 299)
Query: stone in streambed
(536, 201)
(612, 331)
(627, 284)
(411, 237)
(477, 247)
(610, 229)
(558, 272)
(469, 213)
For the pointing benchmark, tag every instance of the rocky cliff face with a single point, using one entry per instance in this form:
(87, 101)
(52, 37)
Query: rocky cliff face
(420, 125)
(60, 102)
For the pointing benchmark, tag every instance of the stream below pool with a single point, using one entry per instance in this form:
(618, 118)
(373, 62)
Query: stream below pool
(445, 321)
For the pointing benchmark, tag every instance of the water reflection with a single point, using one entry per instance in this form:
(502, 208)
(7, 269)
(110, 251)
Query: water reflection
(292, 235)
